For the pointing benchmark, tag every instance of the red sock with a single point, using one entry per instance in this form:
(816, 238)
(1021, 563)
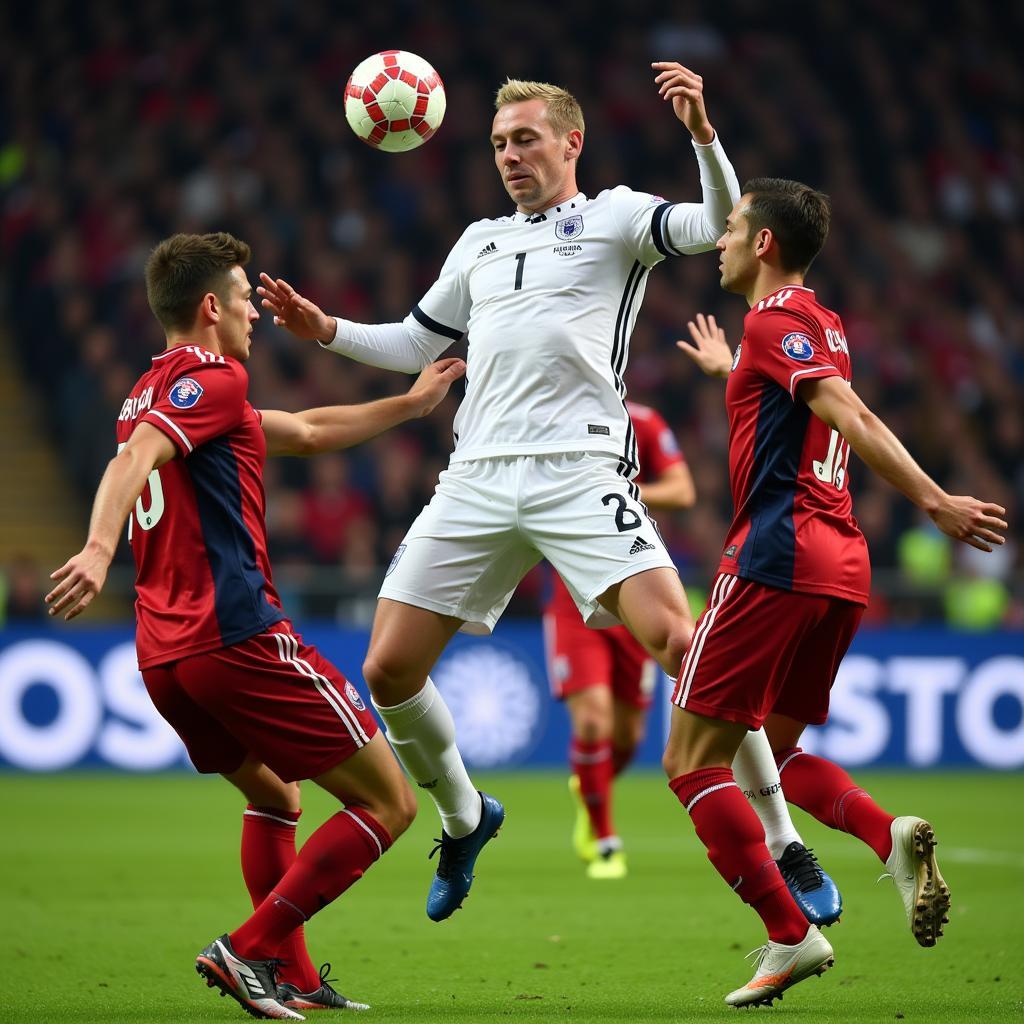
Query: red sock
(727, 825)
(268, 851)
(621, 758)
(826, 792)
(337, 854)
(592, 763)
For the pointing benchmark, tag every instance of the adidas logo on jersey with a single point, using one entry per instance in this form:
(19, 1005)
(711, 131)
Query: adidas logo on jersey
(640, 545)
(488, 248)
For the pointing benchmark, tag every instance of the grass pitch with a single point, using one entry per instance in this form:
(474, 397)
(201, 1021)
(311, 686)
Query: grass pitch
(111, 884)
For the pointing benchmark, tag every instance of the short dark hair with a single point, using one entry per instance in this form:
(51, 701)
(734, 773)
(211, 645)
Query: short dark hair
(797, 215)
(183, 268)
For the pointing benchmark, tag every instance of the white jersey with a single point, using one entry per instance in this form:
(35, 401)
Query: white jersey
(548, 301)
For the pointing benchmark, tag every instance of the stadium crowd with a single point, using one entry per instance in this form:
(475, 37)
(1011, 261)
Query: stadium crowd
(119, 126)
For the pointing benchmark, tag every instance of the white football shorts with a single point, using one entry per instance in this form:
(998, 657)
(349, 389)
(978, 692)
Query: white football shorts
(491, 520)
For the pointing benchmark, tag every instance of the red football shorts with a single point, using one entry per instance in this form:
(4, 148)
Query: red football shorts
(759, 649)
(579, 658)
(272, 697)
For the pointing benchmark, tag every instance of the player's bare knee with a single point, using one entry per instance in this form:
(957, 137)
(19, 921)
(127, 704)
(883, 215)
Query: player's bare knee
(263, 788)
(406, 811)
(673, 763)
(590, 727)
(395, 810)
(390, 678)
(674, 643)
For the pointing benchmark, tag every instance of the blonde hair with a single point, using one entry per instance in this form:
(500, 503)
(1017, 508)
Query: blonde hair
(564, 113)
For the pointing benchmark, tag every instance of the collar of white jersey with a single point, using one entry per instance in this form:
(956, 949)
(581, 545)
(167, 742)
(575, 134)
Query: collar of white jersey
(564, 207)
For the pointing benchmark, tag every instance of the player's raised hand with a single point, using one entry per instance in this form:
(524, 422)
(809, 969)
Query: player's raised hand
(710, 349)
(685, 89)
(433, 383)
(978, 523)
(303, 318)
(80, 579)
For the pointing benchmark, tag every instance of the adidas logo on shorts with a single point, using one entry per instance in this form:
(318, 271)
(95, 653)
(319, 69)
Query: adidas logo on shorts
(640, 545)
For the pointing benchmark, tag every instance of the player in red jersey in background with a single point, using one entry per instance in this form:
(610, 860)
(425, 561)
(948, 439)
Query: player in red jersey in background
(605, 677)
(608, 680)
(794, 580)
(217, 653)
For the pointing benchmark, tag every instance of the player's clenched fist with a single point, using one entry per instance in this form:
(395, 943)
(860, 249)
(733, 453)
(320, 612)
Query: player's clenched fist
(685, 89)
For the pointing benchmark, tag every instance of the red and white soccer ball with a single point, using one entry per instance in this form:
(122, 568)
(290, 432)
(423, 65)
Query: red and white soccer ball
(394, 101)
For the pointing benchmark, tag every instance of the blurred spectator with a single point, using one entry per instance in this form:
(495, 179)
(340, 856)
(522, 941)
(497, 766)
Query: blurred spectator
(117, 128)
(330, 507)
(21, 591)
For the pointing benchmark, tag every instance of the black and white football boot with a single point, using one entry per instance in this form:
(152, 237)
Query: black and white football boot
(253, 983)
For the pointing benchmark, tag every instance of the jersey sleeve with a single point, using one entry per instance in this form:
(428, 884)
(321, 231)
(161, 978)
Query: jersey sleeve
(657, 445)
(639, 223)
(789, 348)
(444, 310)
(201, 403)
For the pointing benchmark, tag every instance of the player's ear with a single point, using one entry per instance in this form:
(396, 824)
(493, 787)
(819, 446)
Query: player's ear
(209, 307)
(573, 144)
(763, 242)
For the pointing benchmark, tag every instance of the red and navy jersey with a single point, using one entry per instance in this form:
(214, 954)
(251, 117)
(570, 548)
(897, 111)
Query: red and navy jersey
(793, 525)
(657, 450)
(198, 530)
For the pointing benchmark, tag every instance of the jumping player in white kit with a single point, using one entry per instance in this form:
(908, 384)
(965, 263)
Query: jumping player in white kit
(544, 448)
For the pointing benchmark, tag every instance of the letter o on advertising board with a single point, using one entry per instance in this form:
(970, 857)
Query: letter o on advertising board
(65, 740)
(975, 713)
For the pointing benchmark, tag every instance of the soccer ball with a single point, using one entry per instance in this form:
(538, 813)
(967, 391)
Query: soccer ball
(394, 101)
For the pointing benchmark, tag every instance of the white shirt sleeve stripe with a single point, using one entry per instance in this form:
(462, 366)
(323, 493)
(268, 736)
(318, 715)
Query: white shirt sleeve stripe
(174, 426)
(812, 369)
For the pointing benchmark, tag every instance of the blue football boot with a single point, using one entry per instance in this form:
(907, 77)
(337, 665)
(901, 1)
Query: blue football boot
(815, 893)
(455, 865)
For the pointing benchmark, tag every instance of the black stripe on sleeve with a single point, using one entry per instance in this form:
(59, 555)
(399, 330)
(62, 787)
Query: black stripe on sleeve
(658, 231)
(432, 325)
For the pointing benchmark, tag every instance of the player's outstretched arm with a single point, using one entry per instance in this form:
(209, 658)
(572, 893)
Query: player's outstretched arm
(294, 312)
(82, 576)
(387, 346)
(978, 523)
(685, 88)
(710, 349)
(341, 426)
(695, 227)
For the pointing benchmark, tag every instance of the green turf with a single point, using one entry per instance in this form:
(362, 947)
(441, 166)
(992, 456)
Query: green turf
(111, 885)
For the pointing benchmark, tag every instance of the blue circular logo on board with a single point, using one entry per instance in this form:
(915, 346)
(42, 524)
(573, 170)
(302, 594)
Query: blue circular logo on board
(798, 346)
(185, 393)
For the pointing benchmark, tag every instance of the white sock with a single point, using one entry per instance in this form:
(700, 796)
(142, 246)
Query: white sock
(757, 775)
(422, 733)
